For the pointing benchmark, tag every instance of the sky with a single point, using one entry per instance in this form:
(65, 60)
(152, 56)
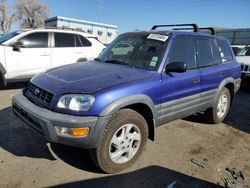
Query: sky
(143, 14)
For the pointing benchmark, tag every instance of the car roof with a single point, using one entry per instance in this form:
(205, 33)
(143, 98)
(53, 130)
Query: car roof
(175, 32)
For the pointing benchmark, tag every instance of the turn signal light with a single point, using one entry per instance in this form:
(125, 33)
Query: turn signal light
(80, 131)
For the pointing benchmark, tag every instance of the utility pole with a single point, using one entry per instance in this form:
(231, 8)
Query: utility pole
(100, 6)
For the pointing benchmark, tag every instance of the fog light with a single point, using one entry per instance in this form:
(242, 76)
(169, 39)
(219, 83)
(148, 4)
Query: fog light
(80, 131)
(72, 132)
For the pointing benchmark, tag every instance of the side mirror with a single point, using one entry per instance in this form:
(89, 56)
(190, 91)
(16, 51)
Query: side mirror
(176, 66)
(16, 46)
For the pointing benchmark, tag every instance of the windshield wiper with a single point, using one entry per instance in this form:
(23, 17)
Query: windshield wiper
(116, 61)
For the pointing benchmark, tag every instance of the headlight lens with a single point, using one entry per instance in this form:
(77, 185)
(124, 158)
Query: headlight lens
(76, 102)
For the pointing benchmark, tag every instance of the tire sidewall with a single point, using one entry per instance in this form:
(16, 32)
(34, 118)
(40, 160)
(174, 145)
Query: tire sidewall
(142, 126)
(216, 117)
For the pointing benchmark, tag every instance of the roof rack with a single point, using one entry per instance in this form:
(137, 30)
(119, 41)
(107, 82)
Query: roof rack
(211, 29)
(63, 28)
(194, 26)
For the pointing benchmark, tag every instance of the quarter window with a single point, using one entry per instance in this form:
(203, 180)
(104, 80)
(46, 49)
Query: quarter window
(35, 40)
(204, 52)
(225, 51)
(183, 50)
(82, 41)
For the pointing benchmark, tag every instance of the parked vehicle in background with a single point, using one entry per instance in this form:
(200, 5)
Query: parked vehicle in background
(113, 104)
(25, 53)
(237, 48)
(243, 57)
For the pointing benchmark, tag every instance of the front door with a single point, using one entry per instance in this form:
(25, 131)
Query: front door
(180, 91)
(33, 57)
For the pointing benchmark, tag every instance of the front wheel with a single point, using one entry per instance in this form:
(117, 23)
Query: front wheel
(122, 142)
(218, 113)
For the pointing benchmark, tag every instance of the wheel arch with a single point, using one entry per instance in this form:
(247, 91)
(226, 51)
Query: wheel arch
(139, 103)
(228, 83)
(2, 77)
(82, 59)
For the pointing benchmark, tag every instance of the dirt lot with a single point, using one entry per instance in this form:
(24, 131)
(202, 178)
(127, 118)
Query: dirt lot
(27, 160)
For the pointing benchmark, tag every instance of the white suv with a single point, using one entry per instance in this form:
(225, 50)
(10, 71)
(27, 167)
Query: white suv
(243, 57)
(25, 53)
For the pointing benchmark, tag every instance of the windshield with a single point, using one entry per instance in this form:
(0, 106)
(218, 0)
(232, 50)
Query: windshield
(244, 52)
(141, 50)
(9, 36)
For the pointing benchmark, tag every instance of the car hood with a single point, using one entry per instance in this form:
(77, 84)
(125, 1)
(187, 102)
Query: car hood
(87, 77)
(243, 59)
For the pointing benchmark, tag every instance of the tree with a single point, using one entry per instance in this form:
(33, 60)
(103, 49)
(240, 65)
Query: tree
(6, 19)
(31, 13)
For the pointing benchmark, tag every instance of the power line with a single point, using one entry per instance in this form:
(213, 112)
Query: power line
(100, 7)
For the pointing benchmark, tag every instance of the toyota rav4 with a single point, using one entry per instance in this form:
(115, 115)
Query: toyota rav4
(113, 104)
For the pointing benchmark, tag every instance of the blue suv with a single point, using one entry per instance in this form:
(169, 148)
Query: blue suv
(142, 80)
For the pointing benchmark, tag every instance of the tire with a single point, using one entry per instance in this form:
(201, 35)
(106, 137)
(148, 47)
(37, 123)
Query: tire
(129, 130)
(220, 110)
(2, 82)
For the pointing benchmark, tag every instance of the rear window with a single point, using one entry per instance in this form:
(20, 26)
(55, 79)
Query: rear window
(225, 51)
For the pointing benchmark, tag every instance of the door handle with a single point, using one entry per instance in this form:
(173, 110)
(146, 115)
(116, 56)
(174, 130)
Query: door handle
(196, 80)
(222, 74)
(44, 54)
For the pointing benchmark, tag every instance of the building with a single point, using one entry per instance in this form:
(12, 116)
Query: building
(105, 33)
(236, 36)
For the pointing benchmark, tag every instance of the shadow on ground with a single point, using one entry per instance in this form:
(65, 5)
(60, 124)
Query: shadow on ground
(76, 157)
(20, 140)
(152, 176)
(238, 116)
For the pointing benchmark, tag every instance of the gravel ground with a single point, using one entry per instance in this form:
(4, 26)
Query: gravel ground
(27, 160)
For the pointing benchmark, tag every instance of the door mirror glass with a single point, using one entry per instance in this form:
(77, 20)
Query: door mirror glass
(176, 66)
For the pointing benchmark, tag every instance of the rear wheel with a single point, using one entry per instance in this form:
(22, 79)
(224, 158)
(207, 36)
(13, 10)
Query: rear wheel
(122, 142)
(218, 113)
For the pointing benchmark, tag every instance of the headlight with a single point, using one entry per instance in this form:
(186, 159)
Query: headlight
(76, 102)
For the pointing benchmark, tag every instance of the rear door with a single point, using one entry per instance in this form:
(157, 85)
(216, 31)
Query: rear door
(211, 67)
(181, 91)
(68, 48)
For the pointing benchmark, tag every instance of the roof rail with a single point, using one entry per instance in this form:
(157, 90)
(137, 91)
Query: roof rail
(211, 29)
(195, 27)
(63, 28)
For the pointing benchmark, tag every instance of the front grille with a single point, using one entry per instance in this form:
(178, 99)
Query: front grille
(245, 68)
(39, 93)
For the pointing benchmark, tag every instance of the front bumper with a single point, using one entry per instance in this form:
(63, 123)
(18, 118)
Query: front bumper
(44, 122)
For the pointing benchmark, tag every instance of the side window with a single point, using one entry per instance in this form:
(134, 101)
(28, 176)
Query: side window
(64, 40)
(82, 41)
(35, 40)
(225, 51)
(183, 50)
(216, 52)
(204, 52)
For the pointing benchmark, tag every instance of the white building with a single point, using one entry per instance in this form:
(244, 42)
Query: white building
(105, 33)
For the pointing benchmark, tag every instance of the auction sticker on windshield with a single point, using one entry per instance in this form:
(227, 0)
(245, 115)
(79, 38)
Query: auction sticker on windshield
(159, 37)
